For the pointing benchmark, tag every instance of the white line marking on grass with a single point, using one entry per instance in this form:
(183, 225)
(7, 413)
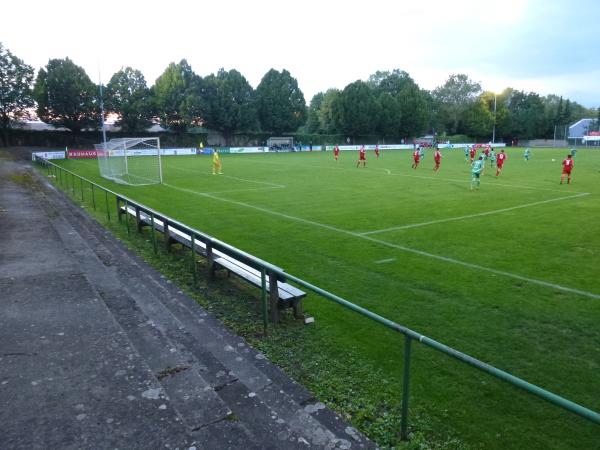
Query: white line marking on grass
(254, 181)
(402, 248)
(228, 176)
(470, 216)
(247, 190)
(383, 261)
(224, 191)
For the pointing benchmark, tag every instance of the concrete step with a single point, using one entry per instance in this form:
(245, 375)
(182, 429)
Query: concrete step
(145, 322)
(196, 355)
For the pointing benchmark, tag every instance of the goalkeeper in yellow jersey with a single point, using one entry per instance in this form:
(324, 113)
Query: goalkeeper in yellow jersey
(216, 162)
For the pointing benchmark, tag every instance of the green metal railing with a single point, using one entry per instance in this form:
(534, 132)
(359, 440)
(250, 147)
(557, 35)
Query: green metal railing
(267, 270)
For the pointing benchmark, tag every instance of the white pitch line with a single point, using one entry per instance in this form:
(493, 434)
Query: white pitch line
(223, 191)
(245, 190)
(254, 181)
(383, 261)
(229, 176)
(402, 248)
(470, 216)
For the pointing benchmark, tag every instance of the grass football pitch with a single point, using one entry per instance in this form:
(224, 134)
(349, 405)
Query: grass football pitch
(507, 274)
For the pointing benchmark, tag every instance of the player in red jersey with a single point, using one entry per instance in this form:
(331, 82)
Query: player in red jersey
(472, 153)
(487, 151)
(416, 158)
(377, 150)
(500, 158)
(362, 157)
(437, 158)
(567, 168)
(336, 152)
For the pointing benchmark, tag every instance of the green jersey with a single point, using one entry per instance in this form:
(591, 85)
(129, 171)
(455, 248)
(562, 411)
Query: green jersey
(477, 166)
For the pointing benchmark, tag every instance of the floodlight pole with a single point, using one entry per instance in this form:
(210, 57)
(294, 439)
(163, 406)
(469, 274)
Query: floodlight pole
(494, 129)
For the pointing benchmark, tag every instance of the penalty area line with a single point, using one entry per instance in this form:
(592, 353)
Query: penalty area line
(470, 216)
(402, 248)
(223, 191)
(229, 176)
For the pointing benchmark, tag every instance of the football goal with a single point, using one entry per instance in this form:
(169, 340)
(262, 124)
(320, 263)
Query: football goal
(134, 161)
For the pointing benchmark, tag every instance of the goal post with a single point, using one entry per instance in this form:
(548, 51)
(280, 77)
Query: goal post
(134, 161)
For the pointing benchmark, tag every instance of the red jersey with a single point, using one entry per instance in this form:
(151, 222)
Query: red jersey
(500, 158)
(567, 165)
(417, 155)
(377, 150)
(336, 150)
(437, 156)
(487, 151)
(361, 154)
(472, 152)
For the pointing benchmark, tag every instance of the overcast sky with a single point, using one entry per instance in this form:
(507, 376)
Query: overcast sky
(545, 46)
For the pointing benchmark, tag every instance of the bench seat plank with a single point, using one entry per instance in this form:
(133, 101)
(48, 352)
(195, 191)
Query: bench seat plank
(286, 292)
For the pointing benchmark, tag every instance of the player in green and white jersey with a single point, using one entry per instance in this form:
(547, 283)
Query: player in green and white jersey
(476, 170)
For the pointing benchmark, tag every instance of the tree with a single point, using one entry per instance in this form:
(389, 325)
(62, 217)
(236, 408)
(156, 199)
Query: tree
(16, 97)
(479, 116)
(280, 102)
(567, 113)
(502, 114)
(390, 116)
(229, 101)
(326, 121)
(408, 109)
(356, 110)
(66, 96)
(128, 96)
(313, 124)
(178, 96)
(527, 115)
(453, 99)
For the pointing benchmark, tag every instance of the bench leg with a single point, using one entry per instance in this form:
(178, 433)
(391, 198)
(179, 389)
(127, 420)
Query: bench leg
(297, 306)
(210, 263)
(138, 220)
(167, 236)
(274, 297)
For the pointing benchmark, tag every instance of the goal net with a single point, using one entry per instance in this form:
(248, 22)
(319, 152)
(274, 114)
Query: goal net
(134, 161)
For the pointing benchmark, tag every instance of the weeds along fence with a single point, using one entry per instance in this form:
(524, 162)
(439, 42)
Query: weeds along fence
(104, 198)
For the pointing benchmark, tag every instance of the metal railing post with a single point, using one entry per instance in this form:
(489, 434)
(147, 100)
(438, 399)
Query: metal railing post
(127, 218)
(107, 208)
(194, 267)
(273, 296)
(265, 308)
(72, 184)
(153, 234)
(81, 184)
(405, 389)
(93, 196)
(118, 202)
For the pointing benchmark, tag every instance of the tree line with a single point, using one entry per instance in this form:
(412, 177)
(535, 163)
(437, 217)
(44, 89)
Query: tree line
(389, 105)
